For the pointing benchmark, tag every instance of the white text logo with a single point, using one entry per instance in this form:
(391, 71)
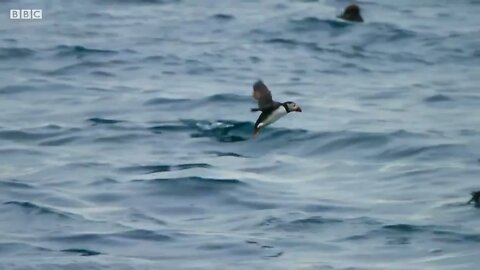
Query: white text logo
(25, 14)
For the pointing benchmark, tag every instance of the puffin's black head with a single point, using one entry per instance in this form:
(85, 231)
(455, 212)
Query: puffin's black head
(352, 13)
(291, 106)
(475, 198)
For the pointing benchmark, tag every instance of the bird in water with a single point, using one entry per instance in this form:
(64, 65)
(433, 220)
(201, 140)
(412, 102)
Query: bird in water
(351, 13)
(271, 110)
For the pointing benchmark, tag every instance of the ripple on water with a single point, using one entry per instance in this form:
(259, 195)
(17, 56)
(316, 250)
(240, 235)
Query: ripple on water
(82, 252)
(166, 101)
(35, 209)
(15, 184)
(437, 98)
(103, 121)
(15, 89)
(222, 131)
(77, 68)
(190, 186)
(229, 132)
(15, 53)
(315, 24)
(8, 248)
(113, 238)
(404, 233)
(147, 169)
(296, 225)
(224, 154)
(80, 51)
(25, 136)
(221, 17)
(144, 2)
(390, 33)
(346, 140)
(419, 151)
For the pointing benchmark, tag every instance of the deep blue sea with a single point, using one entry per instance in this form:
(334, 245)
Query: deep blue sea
(125, 135)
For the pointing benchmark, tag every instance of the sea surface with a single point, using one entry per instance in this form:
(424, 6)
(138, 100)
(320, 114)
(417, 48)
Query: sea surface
(125, 135)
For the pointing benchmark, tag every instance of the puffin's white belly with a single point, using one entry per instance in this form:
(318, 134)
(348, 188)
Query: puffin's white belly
(274, 116)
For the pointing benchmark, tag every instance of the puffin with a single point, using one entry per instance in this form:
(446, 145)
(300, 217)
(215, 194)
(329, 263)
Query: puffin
(271, 110)
(351, 13)
(475, 198)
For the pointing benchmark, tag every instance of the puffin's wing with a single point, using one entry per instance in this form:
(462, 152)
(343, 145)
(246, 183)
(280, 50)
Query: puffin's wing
(262, 95)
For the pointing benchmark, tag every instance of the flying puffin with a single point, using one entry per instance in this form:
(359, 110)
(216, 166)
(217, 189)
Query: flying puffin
(271, 110)
(475, 198)
(351, 13)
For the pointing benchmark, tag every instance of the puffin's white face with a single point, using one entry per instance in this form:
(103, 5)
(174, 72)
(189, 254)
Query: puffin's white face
(293, 107)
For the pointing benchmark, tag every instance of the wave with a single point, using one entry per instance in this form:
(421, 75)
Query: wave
(228, 131)
(143, 1)
(250, 200)
(379, 145)
(35, 209)
(193, 186)
(355, 139)
(166, 101)
(223, 17)
(437, 98)
(82, 252)
(403, 233)
(15, 184)
(217, 98)
(19, 151)
(103, 121)
(222, 131)
(316, 24)
(224, 154)
(100, 73)
(147, 235)
(104, 181)
(158, 129)
(288, 41)
(407, 228)
(15, 89)
(315, 220)
(113, 238)
(23, 136)
(48, 135)
(79, 51)
(124, 138)
(353, 52)
(327, 207)
(148, 169)
(15, 248)
(60, 141)
(15, 53)
(226, 98)
(308, 223)
(422, 150)
(73, 69)
(194, 180)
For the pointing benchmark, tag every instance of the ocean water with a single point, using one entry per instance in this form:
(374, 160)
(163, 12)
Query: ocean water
(125, 135)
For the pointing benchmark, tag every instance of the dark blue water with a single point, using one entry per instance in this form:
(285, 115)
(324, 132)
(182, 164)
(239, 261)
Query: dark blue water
(125, 135)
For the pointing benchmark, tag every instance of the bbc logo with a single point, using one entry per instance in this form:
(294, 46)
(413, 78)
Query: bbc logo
(25, 14)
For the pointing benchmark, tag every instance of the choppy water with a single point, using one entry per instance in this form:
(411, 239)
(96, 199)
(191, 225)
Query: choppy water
(125, 135)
